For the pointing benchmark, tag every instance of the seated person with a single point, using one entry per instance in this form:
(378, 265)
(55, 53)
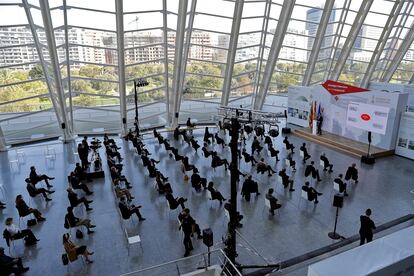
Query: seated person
(33, 191)
(207, 136)
(189, 124)
(194, 143)
(187, 165)
(249, 186)
(273, 202)
(256, 145)
(77, 184)
(248, 158)
(2, 205)
(312, 193)
(292, 163)
(168, 146)
(310, 170)
(342, 185)
(25, 210)
(288, 145)
(11, 265)
(285, 180)
(73, 251)
(15, 233)
(160, 183)
(268, 141)
(111, 163)
(75, 201)
(219, 141)
(262, 167)
(205, 151)
(72, 221)
(111, 151)
(197, 181)
(97, 163)
(227, 206)
(122, 192)
(129, 135)
(216, 161)
(35, 178)
(273, 152)
(215, 195)
(116, 175)
(177, 156)
(352, 173)
(185, 217)
(326, 163)
(306, 156)
(81, 173)
(174, 202)
(128, 211)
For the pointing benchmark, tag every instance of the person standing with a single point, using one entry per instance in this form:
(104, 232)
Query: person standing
(367, 225)
(319, 122)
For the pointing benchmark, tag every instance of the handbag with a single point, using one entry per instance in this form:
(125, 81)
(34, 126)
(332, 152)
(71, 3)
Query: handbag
(79, 234)
(65, 259)
(31, 222)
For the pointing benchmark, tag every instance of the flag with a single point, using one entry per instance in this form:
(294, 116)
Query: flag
(314, 110)
(311, 115)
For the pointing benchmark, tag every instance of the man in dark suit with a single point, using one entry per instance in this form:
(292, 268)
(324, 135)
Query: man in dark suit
(342, 185)
(352, 173)
(34, 177)
(33, 191)
(11, 265)
(273, 202)
(310, 170)
(306, 155)
(285, 180)
(312, 193)
(256, 145)
(288, 145)
(249, 186)
(326, 163)
(197, 181)
(128, 211)
(367, 225)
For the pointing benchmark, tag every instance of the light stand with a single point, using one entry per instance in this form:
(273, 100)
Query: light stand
(368, 159)
(138, 83)
(338, 203)
(286, 130)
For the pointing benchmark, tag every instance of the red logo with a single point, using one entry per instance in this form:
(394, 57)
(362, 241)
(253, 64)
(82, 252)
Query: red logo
(365, 117)
(337, 88)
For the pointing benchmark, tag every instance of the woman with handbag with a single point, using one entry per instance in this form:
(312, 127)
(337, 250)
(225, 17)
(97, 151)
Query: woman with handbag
(25, 210)
(16, 233)
(73, 251)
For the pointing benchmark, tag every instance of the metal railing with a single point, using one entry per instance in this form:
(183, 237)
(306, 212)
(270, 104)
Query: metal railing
(215, 261)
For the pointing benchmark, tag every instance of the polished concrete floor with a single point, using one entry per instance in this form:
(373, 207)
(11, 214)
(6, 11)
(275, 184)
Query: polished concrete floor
(300, 227)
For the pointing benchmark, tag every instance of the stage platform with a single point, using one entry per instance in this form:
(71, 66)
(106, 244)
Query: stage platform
(342, 144)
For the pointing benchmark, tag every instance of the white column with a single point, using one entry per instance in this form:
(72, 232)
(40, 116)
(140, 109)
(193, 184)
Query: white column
(165, 45)
(350, 40)
(402, 50)
(231, 54)
(277, 43)
(53, 78)
(119, 9)
(382, 41)
(320, 34)
(178, 62)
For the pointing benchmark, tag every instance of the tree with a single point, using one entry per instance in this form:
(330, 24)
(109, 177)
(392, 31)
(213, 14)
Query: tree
(36, 72)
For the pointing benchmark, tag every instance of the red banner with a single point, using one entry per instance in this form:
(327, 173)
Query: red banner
(338, 88)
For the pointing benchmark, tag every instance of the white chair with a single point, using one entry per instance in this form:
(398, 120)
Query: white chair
(301, 153)
(226, 215)
(269, 206)
(169, 210)
(336, 186)
(280, 179)
(303, 196)
(50, 151)
(136, 239)
(21, 156)
(3, 192)
(14, 162)
(322, 163)
(287, 162)
(76, 156)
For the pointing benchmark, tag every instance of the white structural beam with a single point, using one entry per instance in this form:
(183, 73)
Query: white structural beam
(119, 9)
(67, 48)
(51, 70)
(350, 40)
(178, 62)
(399, 55)
(165, 47)
(277, 43)
(320, 35)
(382, 41)
(186, 49)
(231, 54)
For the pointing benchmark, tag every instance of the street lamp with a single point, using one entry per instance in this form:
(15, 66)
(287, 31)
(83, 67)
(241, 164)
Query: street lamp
(138, 83)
